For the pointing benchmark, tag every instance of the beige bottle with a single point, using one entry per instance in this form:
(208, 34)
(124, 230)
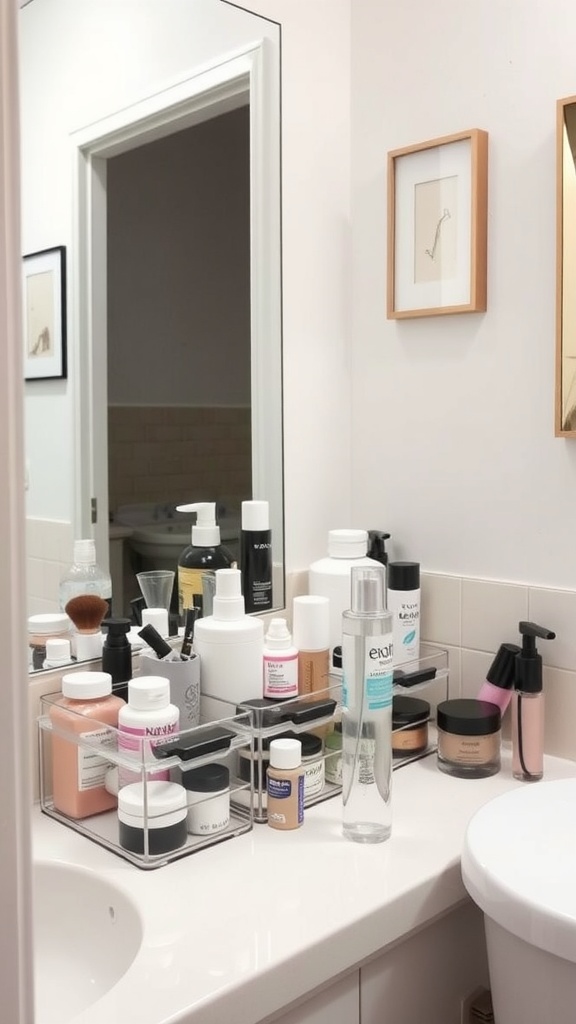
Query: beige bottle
(87, 706)
(311, 634)
(285, 785)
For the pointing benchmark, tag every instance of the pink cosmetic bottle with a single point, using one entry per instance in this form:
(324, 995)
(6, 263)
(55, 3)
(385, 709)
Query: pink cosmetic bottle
(500, 677)
(528, 706)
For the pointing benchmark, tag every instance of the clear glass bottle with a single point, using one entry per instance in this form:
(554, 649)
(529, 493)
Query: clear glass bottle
(85, 576)
(367, 709)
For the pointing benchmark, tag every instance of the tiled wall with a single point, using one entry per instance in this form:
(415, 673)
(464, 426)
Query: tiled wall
(472, 617)
(179, 454)
(49, 546)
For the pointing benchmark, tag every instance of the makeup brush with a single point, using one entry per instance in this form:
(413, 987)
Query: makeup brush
(87, 612)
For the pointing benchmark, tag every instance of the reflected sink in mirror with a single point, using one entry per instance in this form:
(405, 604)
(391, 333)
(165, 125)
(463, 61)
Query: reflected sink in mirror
(86, 935)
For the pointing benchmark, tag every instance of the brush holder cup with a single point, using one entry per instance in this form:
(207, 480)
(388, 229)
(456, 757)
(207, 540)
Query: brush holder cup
(184, 679)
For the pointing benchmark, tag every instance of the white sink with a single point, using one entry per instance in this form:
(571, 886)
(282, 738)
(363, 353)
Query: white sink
(86, 935)
(518, 864)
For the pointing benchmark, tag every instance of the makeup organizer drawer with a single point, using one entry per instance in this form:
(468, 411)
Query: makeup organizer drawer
(149, 800)
(316, 721)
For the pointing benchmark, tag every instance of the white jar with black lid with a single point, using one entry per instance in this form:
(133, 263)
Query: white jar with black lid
(208, 798)
(156, 808)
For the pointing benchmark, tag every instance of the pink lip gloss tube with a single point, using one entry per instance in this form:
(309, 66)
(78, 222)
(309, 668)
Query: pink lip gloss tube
(500, 677)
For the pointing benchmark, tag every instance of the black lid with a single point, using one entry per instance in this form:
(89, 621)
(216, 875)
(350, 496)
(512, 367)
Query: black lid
(377, 546)
(468, 717)
(409, 710)
(208, 779)
(311, 744)
(502, 670)
(116, 631)
(337, 657)
(528, 678)
(403, 575)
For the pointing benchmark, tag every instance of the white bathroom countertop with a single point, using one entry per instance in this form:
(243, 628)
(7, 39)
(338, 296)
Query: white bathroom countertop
(238, 931)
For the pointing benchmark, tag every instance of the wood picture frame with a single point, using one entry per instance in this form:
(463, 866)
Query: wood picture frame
(44, 313)
(565, 390)
(437, 226)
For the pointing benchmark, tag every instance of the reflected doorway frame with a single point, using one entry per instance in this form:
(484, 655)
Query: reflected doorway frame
(237, 79)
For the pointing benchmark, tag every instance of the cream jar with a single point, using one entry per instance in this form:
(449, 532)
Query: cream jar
(468, 738)
(409, 726)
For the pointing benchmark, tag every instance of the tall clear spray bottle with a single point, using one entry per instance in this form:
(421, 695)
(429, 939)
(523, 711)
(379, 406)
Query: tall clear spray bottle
(367, 709)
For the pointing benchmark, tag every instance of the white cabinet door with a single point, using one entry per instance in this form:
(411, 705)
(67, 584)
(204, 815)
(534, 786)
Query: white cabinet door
(424, 979)
(337, 1004)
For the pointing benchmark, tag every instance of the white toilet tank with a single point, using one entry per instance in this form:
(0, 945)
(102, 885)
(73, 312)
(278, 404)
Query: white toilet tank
(519, 866)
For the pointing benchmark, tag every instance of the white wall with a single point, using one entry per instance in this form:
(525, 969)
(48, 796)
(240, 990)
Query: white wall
(452, 433)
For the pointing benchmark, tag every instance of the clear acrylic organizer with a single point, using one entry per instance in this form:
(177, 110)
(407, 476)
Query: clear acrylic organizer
(317, 717)
(222, 742)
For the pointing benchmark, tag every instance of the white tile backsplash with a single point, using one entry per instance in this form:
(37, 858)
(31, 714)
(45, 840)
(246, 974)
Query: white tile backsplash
(560, 712)
(491, 612)
(555, 609)
(441, 603)
(475, 665)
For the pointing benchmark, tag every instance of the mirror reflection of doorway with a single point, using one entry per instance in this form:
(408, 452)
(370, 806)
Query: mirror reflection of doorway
(178, 293)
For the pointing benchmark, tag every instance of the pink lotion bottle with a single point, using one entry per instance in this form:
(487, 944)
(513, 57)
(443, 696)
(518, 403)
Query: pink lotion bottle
(528, 706)
(500, 677)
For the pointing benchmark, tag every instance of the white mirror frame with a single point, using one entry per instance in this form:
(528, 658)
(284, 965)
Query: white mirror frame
(238, 78)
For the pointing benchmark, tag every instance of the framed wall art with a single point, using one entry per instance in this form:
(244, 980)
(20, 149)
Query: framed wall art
(44, 300)
(437, 226)
(565, 406)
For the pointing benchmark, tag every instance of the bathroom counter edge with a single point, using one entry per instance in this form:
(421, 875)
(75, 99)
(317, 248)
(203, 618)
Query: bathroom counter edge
(248, 926)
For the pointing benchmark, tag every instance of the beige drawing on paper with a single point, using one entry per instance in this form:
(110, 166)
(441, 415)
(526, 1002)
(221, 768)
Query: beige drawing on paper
(435, 230)
(40, 315)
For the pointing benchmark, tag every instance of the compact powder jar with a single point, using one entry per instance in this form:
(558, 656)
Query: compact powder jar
(410, 726)
(468, 738)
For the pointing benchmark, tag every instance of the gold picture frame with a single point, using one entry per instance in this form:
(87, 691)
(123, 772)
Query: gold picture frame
(565, 401)
(437, 226)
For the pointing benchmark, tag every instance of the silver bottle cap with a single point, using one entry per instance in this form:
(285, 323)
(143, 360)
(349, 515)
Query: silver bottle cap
(368, 594)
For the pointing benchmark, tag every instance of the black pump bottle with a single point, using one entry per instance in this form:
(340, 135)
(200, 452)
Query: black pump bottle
(117, 655)
(528, 706)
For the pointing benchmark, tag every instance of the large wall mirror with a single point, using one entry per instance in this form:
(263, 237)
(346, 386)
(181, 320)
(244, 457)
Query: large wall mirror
(153, 156)
(566, 269)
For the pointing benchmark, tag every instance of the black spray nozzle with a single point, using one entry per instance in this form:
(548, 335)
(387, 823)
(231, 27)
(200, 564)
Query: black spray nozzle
(377, 546)
(528, 675)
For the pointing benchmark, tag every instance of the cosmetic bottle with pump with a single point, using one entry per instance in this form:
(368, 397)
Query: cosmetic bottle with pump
(200, 559)
(256, 556)
(377, 546)
(367, 709)
(528, 706)
(330, 577)
(85, 576)
(500, 677)
(403, 597)
(311, 632)
(117, 655)
(230, 643)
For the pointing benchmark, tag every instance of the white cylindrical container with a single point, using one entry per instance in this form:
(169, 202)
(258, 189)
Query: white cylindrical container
(403, 601)
(280, 662)
(230, 644)
(208, 795)
(310, 621)
(147, 713)
(330, 577)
